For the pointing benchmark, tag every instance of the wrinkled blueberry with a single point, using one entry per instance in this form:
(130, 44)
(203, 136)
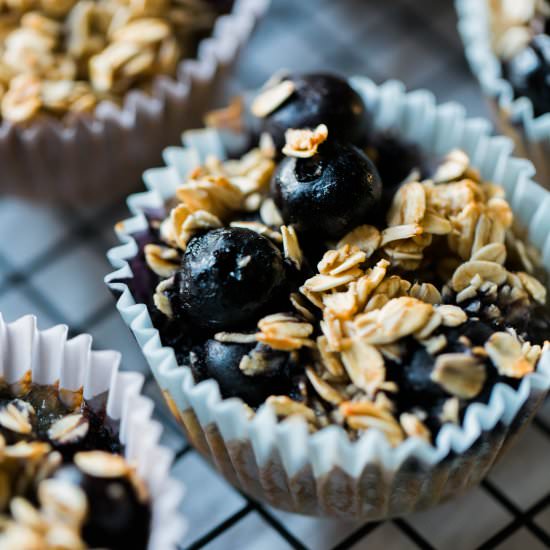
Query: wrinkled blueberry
(329, 193)
(116, 518)
(227, 277)
(320, 99)
(529, 73)
(222, 360)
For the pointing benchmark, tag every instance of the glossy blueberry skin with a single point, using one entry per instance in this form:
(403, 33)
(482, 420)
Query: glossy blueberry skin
(329, 193)
(529, 73)
(320, 99)
(221, 362)
(414, 375)
(116, 518)
(228, 276)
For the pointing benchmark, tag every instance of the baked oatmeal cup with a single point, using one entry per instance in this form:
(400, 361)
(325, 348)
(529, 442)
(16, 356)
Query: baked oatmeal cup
(90, 92)
(506, 44)
(80, 460)
(345, 317)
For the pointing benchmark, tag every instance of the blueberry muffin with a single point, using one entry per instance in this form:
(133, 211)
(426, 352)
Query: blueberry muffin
(64, 482)
(339, 275)
(519, 35)
(61, 58)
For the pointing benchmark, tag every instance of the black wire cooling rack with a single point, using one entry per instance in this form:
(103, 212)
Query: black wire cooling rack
(52, 262)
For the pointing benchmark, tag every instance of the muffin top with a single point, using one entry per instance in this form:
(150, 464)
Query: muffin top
(520, 39)
(389, 305)
(62, 475)
(64, 56)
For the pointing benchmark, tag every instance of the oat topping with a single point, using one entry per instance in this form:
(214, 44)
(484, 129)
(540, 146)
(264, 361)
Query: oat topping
(163, 260)
(69, 429)
(304, 143)
(511, 24)
(16, 416)
(507, 354)
(271, 97)
(459, 374)
(62, 506)
(432, 289)
(66, 56)
(414, 427)
(284, 332)
(291, 245)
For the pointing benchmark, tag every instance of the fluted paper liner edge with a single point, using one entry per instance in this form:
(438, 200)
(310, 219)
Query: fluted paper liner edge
(325, 473)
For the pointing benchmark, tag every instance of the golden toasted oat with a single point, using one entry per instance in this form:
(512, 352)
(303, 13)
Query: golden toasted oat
(291, 246)
(330, 359)
(459, 374)
(487, 271)
(426, 292)
(506, 353)
(452, 316)
(451, 411)
(161, 300)
(364, 365)
(162, 260)
(533, 286)
(366, 415)
(364, 237)
(272, 97)
(304, 143)
(285, 407)
(284, 332)
(414, 427)
(323, 388)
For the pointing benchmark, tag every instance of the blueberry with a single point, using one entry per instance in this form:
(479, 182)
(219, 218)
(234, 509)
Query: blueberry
(320, 99)
(529, 73)
(531, 322)
(417, 382)
(228, 276)
(395, 159)
(329, 193)
(477, 332)
(221, 362)
(116, 518)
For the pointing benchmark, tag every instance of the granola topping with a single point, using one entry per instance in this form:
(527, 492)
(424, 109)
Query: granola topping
(400, 325)
(66, 57)
(304, 143)
(271, 97)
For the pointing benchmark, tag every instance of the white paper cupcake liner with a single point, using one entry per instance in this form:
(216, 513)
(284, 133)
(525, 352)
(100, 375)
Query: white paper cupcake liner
(514, 115)
(325, 473)
(48, 357)
(101, 157)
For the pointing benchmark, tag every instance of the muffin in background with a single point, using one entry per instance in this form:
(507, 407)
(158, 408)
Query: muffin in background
(80, 80)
